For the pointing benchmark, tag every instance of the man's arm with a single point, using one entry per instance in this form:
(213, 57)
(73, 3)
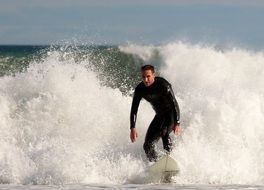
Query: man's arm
(176, 110)
(133, 116)
(134, 110)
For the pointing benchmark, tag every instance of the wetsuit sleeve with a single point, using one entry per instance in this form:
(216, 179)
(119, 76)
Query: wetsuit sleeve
(134, 109)
(176, 108)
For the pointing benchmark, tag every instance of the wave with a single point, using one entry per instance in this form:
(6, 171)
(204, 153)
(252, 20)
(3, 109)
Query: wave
(62, 123)
(221, 98)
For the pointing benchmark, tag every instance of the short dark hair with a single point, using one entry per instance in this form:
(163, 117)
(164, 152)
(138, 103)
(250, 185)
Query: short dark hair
(148, 67)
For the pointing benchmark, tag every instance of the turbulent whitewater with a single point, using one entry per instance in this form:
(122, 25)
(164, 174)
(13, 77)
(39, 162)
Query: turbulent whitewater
(64, 116)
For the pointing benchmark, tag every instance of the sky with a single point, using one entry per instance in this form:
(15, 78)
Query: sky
(223, 22)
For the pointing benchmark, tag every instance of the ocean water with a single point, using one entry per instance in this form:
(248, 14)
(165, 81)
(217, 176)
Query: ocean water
(64, 116)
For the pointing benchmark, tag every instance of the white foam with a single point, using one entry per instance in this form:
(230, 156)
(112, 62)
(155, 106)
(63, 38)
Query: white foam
(221, 96)
(59, 125)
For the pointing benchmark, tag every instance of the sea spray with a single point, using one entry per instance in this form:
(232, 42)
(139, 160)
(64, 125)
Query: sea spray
(61, 126)
(222, 109)
(62, 123)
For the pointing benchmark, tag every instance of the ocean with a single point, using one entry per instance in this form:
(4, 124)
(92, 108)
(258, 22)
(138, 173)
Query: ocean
(64, 116)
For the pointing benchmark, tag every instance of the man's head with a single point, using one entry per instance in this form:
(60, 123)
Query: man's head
(148, 74)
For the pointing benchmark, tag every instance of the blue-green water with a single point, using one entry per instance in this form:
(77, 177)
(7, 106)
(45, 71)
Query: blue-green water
(107, 61)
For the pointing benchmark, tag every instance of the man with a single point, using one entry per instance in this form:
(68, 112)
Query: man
(158, 92)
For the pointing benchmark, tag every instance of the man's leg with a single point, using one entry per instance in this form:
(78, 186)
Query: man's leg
(152, 137)
(167, 129)
(167, 144)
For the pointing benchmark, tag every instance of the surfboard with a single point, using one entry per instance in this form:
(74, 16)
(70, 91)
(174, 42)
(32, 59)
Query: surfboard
(165, 168)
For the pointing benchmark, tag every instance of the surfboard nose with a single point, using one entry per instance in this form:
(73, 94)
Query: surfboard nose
(165, 168)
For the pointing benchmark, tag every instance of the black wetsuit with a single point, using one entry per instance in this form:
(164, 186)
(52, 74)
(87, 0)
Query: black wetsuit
(161, 97)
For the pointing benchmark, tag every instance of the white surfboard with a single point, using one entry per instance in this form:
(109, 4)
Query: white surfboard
(165, 168)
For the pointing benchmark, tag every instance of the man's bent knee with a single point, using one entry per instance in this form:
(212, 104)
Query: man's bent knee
(150, 151)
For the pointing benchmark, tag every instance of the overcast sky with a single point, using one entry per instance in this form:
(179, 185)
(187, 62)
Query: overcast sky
(237, 22)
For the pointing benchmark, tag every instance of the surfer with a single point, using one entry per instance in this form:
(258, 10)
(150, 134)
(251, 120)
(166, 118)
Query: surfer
(158, 92)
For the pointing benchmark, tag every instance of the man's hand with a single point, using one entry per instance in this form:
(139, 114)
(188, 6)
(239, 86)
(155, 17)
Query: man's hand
(177, 129)
(133, 135)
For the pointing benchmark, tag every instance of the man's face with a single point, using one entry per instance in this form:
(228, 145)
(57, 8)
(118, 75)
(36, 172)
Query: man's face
(148, 77)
